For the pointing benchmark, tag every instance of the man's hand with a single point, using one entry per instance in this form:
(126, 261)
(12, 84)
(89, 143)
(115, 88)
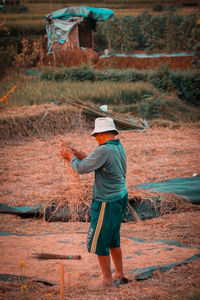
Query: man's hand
(67, 154)
(68, 149)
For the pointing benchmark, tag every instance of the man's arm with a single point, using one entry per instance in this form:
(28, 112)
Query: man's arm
(92, 162)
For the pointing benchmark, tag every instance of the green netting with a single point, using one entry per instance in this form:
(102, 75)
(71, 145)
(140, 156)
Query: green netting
(143, 273)
(18, 278)
(168, 253)
(23, 211)
(184, 187)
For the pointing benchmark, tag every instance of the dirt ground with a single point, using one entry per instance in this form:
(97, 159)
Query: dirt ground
(182, 63)
(32, 172)
(81, 276)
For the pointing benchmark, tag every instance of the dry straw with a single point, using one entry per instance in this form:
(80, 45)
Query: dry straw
(38, 175)
(39, 120)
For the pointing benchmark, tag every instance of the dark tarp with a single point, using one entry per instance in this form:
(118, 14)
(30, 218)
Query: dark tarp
(22, 211)
(188, 187)
(13, 278)
(183, 187)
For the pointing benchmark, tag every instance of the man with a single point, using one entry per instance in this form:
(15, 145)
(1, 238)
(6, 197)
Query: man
(109, 197)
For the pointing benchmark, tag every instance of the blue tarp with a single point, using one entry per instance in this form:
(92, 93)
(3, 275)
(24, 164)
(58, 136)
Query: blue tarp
(96, 14)
(153, 55)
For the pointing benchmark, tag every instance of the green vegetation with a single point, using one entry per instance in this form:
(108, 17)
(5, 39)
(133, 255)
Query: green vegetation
(186, 84)
(151, 33)
(138, 98)
(164, 32)
(153, 94)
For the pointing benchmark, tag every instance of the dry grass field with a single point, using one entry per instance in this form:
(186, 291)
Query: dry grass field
(32, 172)
(36, 13)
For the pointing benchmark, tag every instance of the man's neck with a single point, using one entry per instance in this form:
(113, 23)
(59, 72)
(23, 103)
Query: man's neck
(107, 137)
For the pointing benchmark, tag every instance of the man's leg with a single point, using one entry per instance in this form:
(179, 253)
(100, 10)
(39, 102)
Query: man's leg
(116, 254)
(105, 265)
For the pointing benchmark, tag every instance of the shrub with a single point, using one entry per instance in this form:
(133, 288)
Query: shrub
(187, 86)
(150, 109)
(171, 8)
(6, 58)
(158, 7)
(82, 74)
(168, 32)
(15, 10)
(29, 55)
(160, 78)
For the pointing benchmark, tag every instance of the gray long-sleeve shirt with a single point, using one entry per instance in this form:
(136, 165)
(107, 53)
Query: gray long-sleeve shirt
(109, 163)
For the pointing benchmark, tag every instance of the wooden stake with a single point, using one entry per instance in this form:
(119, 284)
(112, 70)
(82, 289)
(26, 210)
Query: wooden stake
(61, 281)
(45, 256)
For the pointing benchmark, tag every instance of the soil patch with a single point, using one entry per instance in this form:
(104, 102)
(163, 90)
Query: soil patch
(78, 57)
(182, 63)
(70, 238)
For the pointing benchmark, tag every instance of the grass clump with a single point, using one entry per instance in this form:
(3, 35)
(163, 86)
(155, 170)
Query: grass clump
(186, 84)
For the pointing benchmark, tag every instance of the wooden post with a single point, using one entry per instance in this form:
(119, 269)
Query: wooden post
(52, 39)
(61, 281)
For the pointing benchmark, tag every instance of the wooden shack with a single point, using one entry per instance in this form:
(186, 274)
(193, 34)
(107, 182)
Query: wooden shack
(74, 27)
(81, 36)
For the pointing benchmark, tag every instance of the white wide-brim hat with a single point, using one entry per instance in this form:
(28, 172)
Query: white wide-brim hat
(104, 125)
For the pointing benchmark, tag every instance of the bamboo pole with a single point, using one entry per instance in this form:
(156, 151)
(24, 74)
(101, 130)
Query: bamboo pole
(61, 281)
(45, 256)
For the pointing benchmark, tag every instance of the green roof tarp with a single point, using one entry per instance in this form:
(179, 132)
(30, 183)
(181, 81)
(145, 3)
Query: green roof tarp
(96, 14)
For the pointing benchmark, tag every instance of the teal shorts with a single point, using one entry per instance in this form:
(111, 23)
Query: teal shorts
(104, 231)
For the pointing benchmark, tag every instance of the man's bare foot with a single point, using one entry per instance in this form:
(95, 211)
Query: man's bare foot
(117, 276)
(101, 285)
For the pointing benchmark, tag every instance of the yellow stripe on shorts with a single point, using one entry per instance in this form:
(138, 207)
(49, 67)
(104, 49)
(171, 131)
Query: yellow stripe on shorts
(98, 228)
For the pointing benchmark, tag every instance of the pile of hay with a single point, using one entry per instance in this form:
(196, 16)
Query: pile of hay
(39, 120)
